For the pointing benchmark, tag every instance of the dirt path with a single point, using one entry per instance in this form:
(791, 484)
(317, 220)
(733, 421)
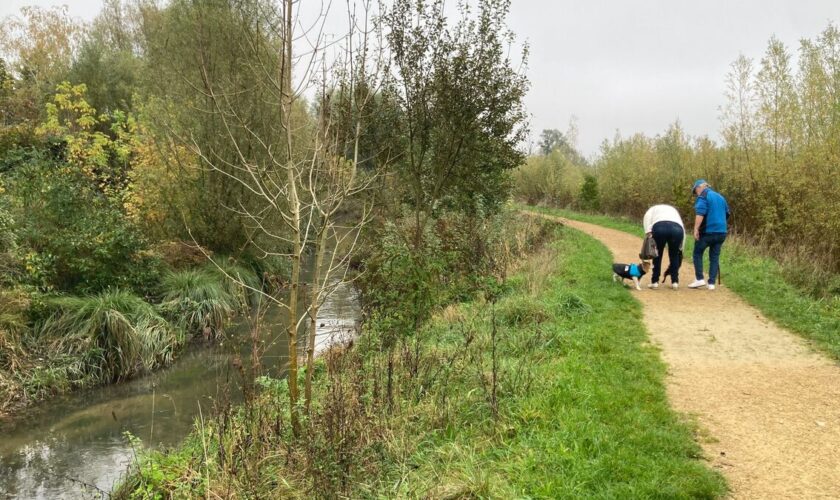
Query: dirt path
(769, 403)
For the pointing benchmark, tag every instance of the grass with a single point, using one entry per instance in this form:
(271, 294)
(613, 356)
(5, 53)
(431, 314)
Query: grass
(760, 280)
(594, 424)
(579, 411)
(119, 333)
(199, 300)
(83, 341)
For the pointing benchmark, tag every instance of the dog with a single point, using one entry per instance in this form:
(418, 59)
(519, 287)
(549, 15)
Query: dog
(631, 271)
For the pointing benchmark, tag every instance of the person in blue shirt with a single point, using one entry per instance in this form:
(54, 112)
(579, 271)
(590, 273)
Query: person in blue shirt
(710, 227)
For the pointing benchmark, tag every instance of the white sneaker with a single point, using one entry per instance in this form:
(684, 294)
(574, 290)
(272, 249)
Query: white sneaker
(653, 286)
(675, 285)
(711, 287)
(698, 284)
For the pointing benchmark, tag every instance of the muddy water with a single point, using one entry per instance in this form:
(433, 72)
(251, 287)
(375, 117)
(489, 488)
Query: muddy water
(75, 446)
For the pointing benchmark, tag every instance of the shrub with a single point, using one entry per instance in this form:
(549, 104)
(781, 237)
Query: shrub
(590, 200)
(552, 179)
(72, 238)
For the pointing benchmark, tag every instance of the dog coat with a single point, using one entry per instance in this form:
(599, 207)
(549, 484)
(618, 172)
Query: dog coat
(628, 271)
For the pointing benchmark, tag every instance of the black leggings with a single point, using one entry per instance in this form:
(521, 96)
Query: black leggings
(670, 234)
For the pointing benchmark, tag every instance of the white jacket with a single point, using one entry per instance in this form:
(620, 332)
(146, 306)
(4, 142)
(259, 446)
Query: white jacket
(661, 213)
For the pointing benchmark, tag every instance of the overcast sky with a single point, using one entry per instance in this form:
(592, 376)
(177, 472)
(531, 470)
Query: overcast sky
(628, 66)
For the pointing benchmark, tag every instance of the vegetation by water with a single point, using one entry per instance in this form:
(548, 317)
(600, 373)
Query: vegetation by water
(544, 387)
(69, 342)
(162, 169)
(128, 163)
(752, 275)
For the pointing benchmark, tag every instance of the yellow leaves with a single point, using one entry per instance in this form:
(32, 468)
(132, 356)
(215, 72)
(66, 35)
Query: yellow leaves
(73, 121)
(158, 181)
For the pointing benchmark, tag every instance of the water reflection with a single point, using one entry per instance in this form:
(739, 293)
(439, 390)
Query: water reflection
(73, 445)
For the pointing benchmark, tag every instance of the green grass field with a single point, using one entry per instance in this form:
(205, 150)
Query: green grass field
(758, 279)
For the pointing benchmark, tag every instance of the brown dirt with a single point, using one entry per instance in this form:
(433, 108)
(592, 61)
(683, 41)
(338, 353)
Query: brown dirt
(768, 405)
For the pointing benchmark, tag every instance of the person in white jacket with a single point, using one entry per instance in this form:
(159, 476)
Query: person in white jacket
(666, 226)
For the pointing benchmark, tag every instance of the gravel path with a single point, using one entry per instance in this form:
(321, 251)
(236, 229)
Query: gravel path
(767, 404)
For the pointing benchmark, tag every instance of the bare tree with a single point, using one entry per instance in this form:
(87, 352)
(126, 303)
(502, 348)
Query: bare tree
(300, 181)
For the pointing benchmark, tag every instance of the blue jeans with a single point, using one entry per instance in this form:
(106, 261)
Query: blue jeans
(712, 241)
(670, 234)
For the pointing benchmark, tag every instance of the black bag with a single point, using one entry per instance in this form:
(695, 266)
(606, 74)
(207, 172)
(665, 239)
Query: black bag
(649, 250)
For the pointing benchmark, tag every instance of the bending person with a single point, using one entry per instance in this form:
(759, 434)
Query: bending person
(709, 231)
(666, 226)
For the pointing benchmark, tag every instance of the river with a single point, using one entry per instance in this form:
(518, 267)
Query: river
(74, 445)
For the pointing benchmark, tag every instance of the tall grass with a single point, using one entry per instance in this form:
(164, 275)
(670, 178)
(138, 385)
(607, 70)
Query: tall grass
(238, 280)
(13, 305)
(117, 333)
(199, 301)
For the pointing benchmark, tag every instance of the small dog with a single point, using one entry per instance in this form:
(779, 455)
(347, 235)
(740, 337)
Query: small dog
(630, 271)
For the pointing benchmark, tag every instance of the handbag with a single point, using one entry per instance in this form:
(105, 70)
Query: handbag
(649, 250)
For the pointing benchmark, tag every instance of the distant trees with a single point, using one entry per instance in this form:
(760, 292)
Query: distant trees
(555, 176)
(777, 164)
(551, 139)
(40, 44)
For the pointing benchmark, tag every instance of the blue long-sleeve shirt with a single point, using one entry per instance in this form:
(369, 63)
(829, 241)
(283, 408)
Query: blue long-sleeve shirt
(714, 209)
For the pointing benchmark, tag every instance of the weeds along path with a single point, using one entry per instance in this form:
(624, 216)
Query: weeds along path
(768, 406)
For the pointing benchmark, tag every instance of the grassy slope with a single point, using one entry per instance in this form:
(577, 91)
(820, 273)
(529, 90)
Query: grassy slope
(596, 425)
(759, 280)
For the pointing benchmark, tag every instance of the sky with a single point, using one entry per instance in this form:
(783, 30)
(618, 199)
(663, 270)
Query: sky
(626, 67)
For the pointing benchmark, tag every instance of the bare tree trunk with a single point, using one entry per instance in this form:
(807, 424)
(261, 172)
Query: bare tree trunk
(295, 219)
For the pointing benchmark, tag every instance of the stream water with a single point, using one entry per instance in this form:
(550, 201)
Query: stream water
(75, 446)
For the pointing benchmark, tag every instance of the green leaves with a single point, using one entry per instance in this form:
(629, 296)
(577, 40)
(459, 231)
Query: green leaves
(461, 116)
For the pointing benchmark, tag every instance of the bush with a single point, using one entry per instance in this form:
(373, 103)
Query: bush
(551, 179)
(72, 238)
(590, 200)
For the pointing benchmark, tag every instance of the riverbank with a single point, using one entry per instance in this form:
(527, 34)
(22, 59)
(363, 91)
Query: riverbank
(56, 344)
(545, 388)
(53, 449)
(763, 282)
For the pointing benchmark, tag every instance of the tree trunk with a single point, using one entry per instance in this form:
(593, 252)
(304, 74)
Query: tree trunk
(293, 317)
(295, 222)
